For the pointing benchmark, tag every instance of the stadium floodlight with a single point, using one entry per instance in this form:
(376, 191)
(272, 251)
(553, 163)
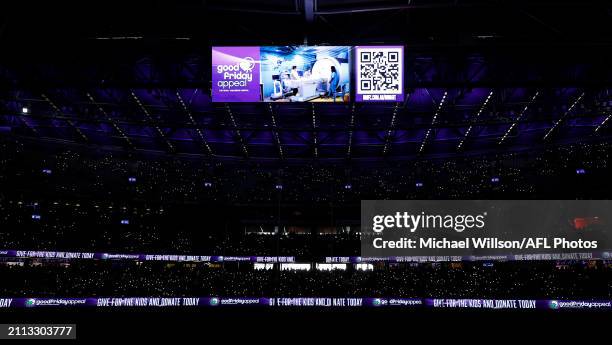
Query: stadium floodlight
(419, 184)
(495, 179)
(36, 216)
(207, 184)
(125, 222)
(25, 110)
(348, 186)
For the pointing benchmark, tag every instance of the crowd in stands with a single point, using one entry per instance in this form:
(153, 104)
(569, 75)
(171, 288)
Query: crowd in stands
(67, 173)
(589, 280)
(70, 200)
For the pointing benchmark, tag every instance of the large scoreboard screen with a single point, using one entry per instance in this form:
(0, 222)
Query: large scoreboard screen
(308, 74)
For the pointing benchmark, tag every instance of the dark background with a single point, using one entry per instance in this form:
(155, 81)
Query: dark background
(89, 44)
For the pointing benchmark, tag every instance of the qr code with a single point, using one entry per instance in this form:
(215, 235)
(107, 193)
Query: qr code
(380, 70)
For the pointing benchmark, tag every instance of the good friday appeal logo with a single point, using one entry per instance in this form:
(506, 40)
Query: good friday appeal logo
(235, 73)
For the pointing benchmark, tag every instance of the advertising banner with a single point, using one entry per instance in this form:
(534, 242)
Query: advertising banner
(236, 74)
(379, 74)
(301, 302)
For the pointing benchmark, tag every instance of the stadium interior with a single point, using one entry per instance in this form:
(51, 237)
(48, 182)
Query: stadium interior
(110, 142)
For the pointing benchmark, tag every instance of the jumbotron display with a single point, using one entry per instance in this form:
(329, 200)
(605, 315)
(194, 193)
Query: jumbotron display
(307, 74)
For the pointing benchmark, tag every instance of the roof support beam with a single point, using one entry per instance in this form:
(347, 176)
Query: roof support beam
(560, 120)
(351, 129)
(58, 111)
(192, 121)
(239, 137)
(433, 121)
(519, 117)
(111, 121)
(474, 119)
(151, 122)
(275, 132)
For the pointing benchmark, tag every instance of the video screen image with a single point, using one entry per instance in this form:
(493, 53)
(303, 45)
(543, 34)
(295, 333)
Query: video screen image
(306, 74)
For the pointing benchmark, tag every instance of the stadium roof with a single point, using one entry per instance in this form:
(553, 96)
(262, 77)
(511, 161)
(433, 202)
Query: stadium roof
(480, 75)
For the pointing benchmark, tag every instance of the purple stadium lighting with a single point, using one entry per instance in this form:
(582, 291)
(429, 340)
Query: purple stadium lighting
(275, 132)
(433, 121)
(482, 108)
(603, 123)
(112, 122)
(193, 122)
(518, 118)
(390, 130)
(569, 110)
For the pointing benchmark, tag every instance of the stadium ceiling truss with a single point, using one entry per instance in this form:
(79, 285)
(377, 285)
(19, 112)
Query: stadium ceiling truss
(464, 99)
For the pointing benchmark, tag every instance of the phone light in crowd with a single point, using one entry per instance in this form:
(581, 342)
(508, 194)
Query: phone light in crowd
(207, 184)
(131, 179)
(419, 184)
(580, 171)
(47, 171)
(494, 179)
(348, 186)
(125, 222)
(36, 216)
(25, 110)
(279, 187)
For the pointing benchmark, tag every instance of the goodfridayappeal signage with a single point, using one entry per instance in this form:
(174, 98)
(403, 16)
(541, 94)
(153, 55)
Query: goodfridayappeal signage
(307, 73)
(235, 74)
